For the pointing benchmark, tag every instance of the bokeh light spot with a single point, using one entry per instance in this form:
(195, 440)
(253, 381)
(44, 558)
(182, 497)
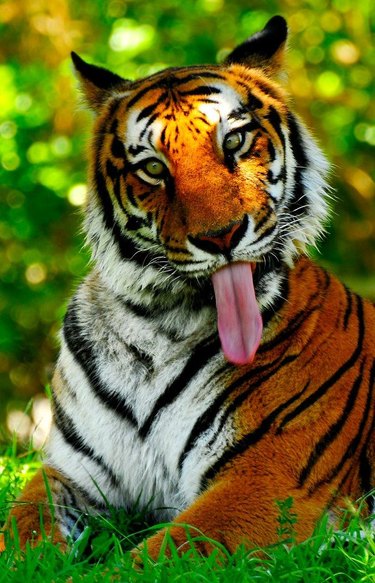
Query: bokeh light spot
(8, 130)
(329, 84)
(10, 161)
(77, 194)
(23, 102)
(38, 153)
(36, 273)
(211, 6)
(345, 52)
(130, 37)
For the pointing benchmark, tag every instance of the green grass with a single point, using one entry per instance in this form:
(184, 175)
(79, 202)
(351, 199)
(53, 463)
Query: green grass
(102, 552)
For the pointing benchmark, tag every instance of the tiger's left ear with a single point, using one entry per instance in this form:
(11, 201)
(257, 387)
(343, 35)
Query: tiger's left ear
(265, 49)
(97, 83)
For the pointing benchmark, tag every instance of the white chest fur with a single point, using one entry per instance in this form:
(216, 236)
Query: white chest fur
(165, 383)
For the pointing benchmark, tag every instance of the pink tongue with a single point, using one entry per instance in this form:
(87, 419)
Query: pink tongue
(239, 320)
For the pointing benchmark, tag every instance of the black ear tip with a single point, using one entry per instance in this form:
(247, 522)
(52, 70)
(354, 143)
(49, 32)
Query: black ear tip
(77, 61)
(277, 24)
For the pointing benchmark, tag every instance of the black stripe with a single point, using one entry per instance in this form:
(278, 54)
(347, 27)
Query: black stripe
(118, 149)
(333, 431)
(180, 251)
(239, 400)
(201, 355)
(140, 310)
(129, 251)
(152, 312)
(206, 420)
(140, 94)
(127, 248)
(111, 170)
(169, 80)
(70, 434)
(295, 322)
(349, 307)
(130, 196)
(117, 192)
(264, 219)
(297, 143)
(299, 202)
(241, 113)
(142, 197)
(275, 120)
(104, 198)
(83, 352)
(134, 150)
(331, 381)
(134, 223)
(265, 233)
(201, 90)
(253, 102)
(199, 75)
(286, 334)
(230, 161)
(269, 312)
(149, 122)
(71, 489)
(271, 179)
(267, 89)
(249, 439)
(271, 150)
(353, 445)
(187, 261)
(149, 109)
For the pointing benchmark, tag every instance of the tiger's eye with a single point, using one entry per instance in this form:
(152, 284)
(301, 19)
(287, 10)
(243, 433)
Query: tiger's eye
(154, 168)
(233, 141)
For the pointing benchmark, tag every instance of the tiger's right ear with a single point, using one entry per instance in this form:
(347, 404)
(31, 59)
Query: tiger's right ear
(97, 83)
(264, 49)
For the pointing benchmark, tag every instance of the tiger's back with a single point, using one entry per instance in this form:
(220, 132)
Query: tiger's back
(206, 364)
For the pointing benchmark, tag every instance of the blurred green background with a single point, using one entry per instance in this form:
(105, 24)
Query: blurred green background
(44, 132)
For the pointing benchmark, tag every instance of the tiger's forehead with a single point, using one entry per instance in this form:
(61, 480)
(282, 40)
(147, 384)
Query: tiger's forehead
(176, 102)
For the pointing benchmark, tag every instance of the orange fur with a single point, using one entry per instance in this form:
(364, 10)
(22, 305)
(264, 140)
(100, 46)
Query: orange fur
(33, 514)
(239, 504)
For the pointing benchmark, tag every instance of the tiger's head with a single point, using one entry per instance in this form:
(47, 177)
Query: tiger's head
(203, 174)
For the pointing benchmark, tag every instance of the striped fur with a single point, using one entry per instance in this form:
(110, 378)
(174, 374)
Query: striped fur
(146, 407)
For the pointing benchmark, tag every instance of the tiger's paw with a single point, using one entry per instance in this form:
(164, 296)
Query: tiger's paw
(173, 542)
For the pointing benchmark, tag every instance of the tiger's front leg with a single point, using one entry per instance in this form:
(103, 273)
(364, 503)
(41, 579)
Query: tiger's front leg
(240, 508)
(47, 508)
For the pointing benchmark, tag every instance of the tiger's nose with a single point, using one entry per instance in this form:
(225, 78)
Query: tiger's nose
(222, 241)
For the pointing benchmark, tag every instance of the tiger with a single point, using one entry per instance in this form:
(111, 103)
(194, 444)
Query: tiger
(208, 367)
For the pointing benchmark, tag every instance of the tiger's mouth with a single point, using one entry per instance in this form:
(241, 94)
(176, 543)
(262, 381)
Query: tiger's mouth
(244, 291)
(234, 276)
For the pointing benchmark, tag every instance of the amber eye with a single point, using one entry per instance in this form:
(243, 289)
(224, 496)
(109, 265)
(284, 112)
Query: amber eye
(154, 168)
(233, 141)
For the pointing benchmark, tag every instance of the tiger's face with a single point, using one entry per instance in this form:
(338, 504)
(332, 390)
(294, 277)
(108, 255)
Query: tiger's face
(205, 168)
(199, 169)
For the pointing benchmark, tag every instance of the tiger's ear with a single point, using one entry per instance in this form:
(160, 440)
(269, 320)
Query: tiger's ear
(265, 49)
(97, 83)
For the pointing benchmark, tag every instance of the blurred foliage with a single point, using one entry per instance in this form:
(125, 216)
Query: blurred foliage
(44, 134)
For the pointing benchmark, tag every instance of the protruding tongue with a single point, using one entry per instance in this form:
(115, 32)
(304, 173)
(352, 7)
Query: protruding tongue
(239, 321)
